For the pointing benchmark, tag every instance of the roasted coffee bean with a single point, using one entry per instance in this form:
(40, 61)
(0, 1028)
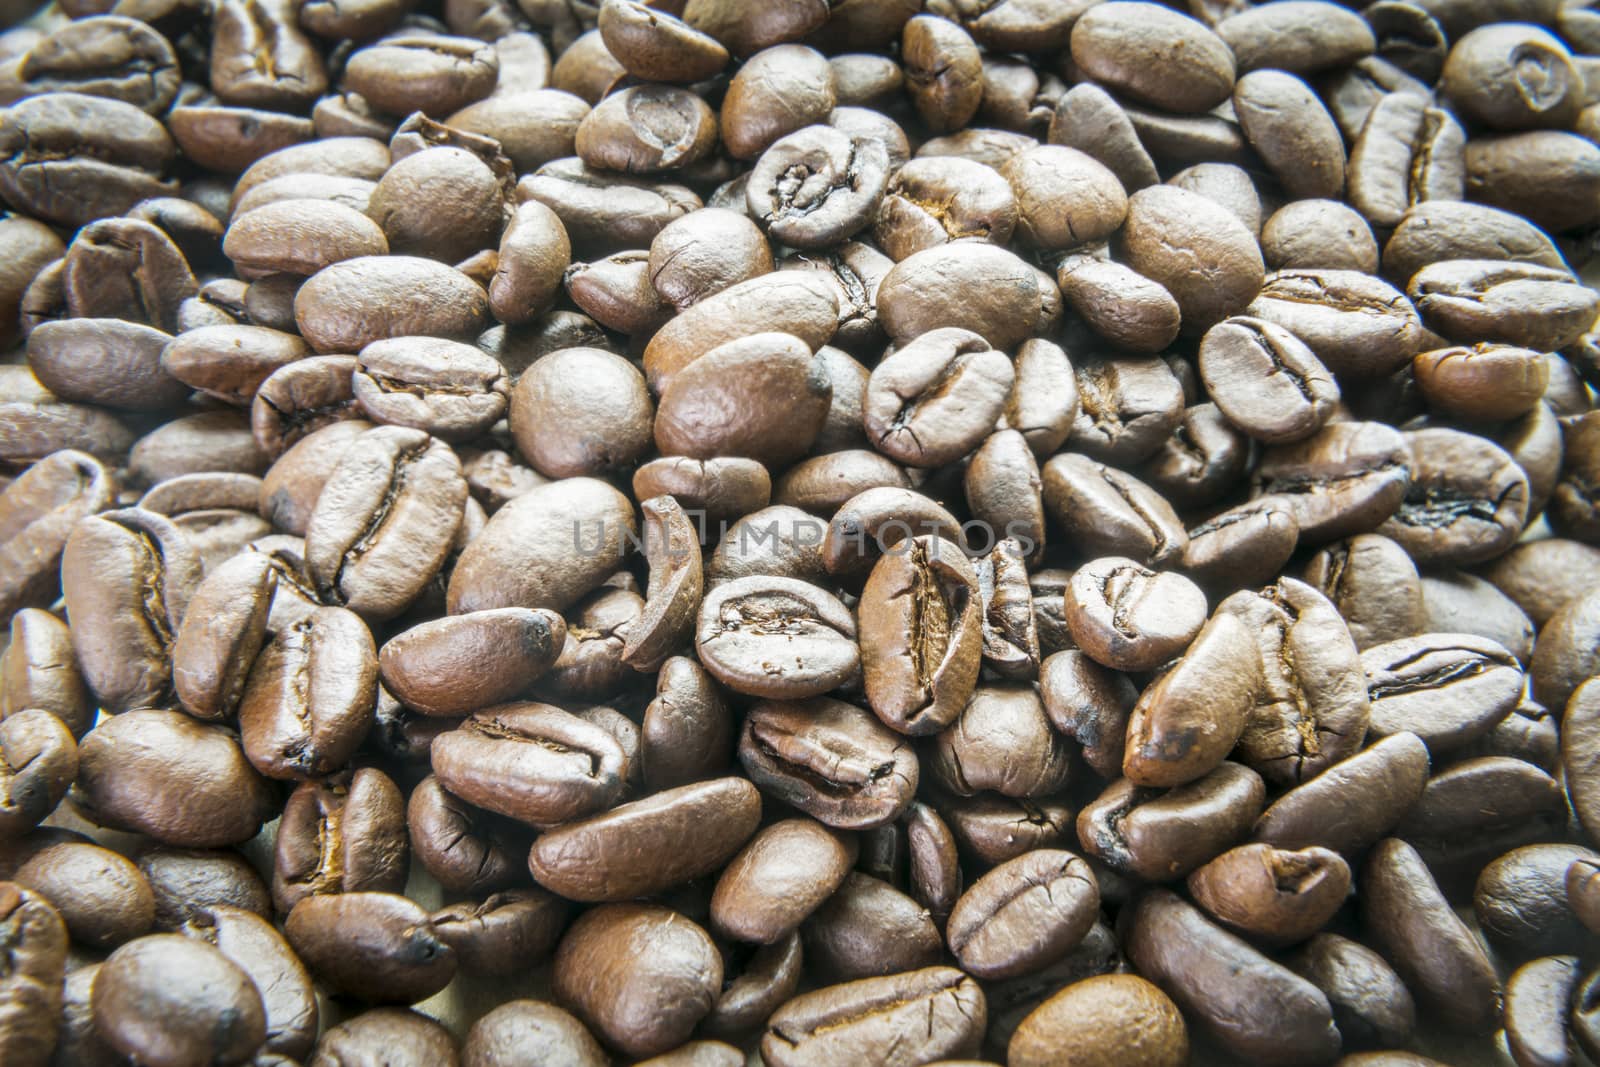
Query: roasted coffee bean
(177, 780)
(1371, 1005)
(1090, 704)
(37, 514)
(1120, 304)
(1185, 722)
(780, 877)
(688, 729)
(1292, 130)
(931, 401)
(1438, 230)
(831, 760)
(127, 577)
(385, 520)
(40, 670)
(716, 492)
(731, 401)
(309, 700)
(673, 597)
(1024, 914)
(1375, 788)
(1137, 50)
(691, 831)
(1448, 689)
(581, 411)
(643, 1004)
(1158, 836)
(971, 285)
(466, 850)
(1345, 479)
(1318, 233)
(1009, 627)
(1272, 895)
(1274, 1014)
(72, 158)
(1243, 545)
(1107, 512)
(1374, 585)
(906, 1018)
(1111, 1011)
(1170, 230)
(230, 362)
(348, 305)
(1430, 946)
(1513, 77)
(1130, 618)
(35, 940)
(108, 362)
(532, 762)
(776, 638)
(435, 75)
(867, 928)
(1002, 741)
(38, 423)
(457, 665)
(1467, 501)
(376, 947)
(1306, 37)
(935, 200)
(1516, 303)
(1483, 382)
(342, 834)
(1521, 903)
(771, 975)
(411, 1038)
(171, 1000)
(505, 932)
(921, 635)
(1127, 409)
(777, 91)
(102, 897)
(445, 388)
(1539, 1007)
(1357, 325)
(816, 186)
(185, 882)
(38, 762)
(1266, 380)
(219, 639)
(1407, 154)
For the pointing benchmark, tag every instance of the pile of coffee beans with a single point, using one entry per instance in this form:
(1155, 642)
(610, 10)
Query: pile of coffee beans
(829, 533)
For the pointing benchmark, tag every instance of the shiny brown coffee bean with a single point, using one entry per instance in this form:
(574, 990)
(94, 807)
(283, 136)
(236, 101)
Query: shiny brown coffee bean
(343, 834)
(460, 664)
(921, 635)
(916, 1016)
(692, 830)
(1431, 948)
(377, 947)
(1024, 914)
(645, 1004)
(1275, 1013)
(36, 941)
(832, 760)
(38, 763)
(385, 520)
(310, 696)
(531, 762)
(1158, 836)
(127, 577)
(172, 1000)
(776, 638)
